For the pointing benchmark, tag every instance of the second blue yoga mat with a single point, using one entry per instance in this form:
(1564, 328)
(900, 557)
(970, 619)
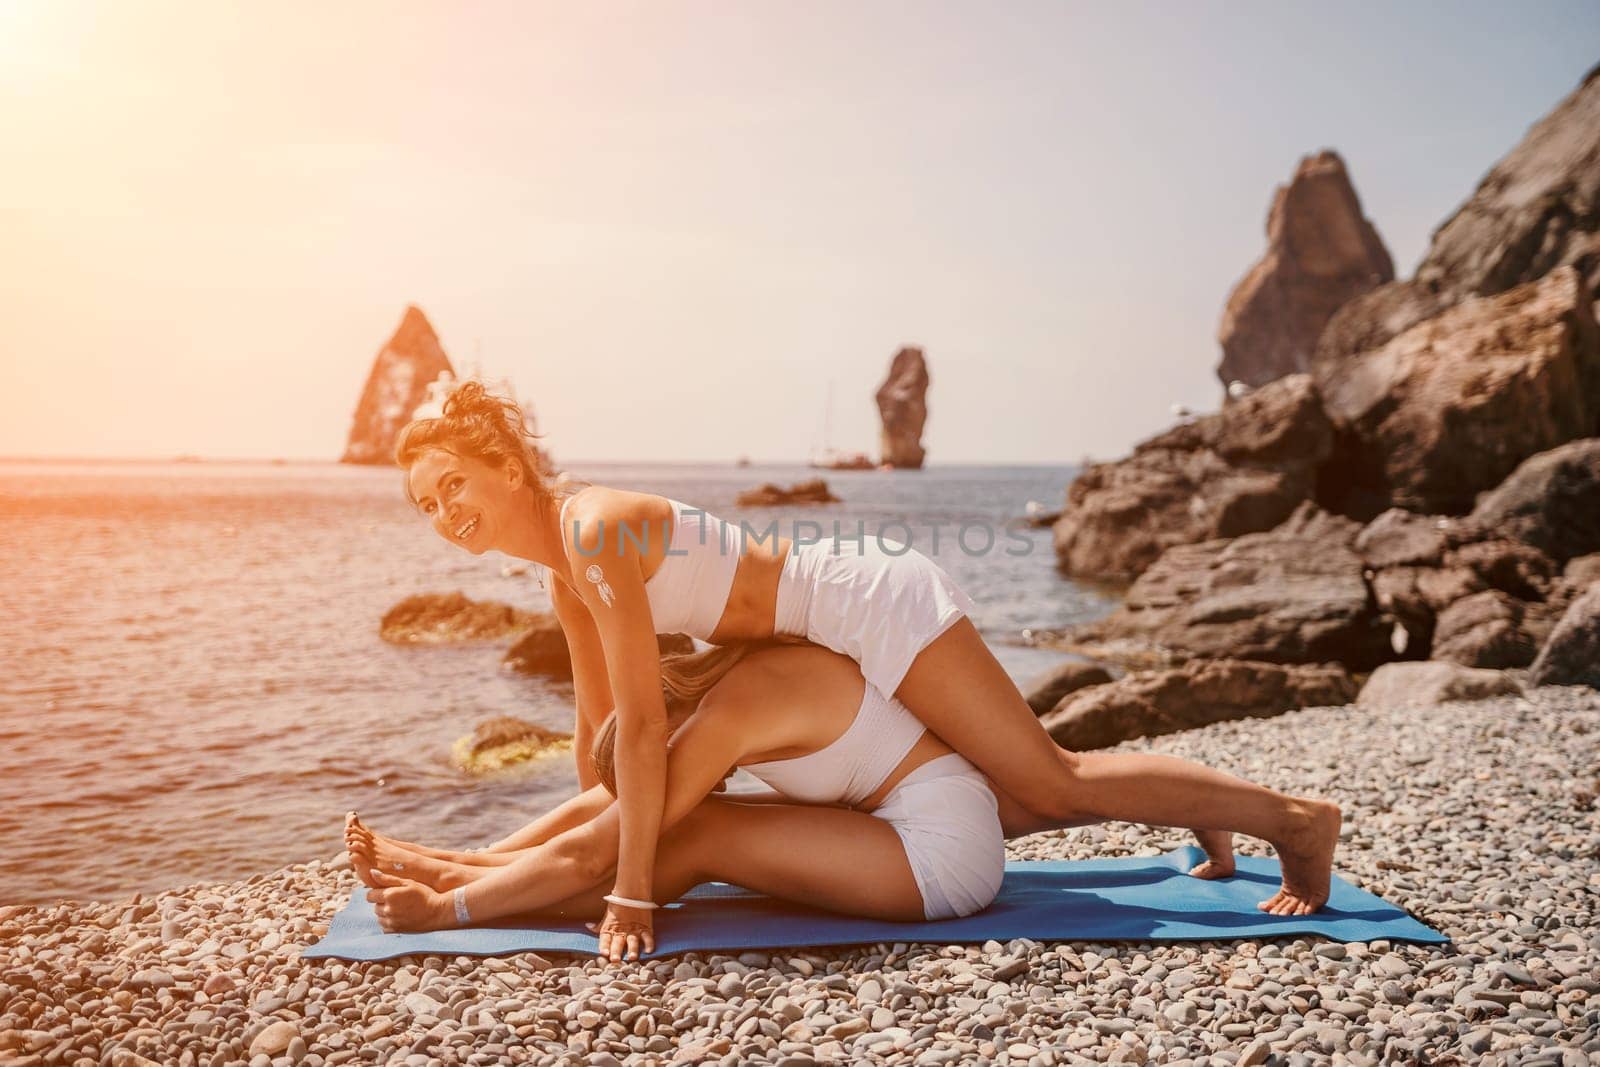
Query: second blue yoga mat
(1144, 898)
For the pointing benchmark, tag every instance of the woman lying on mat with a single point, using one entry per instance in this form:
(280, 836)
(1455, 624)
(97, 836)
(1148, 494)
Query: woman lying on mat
(915, 832)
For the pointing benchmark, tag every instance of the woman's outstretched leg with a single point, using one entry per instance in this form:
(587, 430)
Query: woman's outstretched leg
(830, 858)
(391, 854)
(438, 868)
(959, 690)
(1018, 821)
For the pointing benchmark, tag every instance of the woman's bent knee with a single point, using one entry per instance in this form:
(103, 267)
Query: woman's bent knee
(1065, 797)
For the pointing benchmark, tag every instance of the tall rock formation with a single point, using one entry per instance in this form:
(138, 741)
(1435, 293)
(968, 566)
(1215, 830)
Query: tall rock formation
(1321, 252)
(903, 407)
(410, 362)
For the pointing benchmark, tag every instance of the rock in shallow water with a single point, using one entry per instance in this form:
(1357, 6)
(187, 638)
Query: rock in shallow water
(504, 741)
(903, 408)
(448, 618)
(543, 650)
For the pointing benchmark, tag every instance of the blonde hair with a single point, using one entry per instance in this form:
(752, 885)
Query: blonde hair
(481, 424)
(686, 678)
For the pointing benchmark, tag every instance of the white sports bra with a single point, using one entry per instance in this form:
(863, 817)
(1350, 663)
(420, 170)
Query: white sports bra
(689, 590)
(856, 763)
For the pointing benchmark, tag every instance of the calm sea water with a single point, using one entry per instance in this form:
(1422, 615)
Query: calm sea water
(192, 686)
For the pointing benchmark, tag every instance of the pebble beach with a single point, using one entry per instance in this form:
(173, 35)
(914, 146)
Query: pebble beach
(1479, 818)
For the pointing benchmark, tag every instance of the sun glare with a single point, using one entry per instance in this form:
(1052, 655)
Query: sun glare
(21, 36)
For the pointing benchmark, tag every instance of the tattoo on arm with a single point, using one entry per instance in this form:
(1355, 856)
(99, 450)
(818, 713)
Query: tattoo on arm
(597, 576)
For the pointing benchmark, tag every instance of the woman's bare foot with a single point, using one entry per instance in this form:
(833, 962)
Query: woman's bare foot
(359, 859)
(1306, 857)
(469, 859)
(1218, 863)
(369, 850)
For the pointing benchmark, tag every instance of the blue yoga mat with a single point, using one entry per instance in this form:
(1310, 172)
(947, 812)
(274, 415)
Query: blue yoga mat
(1142, 898)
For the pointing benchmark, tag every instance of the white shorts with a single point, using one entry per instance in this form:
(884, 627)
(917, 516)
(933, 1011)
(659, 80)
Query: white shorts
(949, 823)
(879, 606)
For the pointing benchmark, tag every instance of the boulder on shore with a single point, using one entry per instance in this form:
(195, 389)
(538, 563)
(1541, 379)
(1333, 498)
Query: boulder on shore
(1420, 683)
(903, 408)
(1293, 595)
(1451, 406)
(1196, 694)
(1572, 654)
(405, 367)
(449, 618)
(1242, 470)
(1415, 592)
(770, 495)
(1511, 545)
(1551, 501)
(1321, 252)
(1484, 630)
(1578, 575)
(1045, 691)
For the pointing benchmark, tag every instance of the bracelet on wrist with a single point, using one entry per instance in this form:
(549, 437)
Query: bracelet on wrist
(629, 902)
(462, 917)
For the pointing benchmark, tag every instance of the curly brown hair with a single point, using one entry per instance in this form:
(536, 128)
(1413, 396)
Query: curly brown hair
(486, 426)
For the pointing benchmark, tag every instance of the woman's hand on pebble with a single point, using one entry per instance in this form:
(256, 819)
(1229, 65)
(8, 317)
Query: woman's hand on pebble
(625, 933)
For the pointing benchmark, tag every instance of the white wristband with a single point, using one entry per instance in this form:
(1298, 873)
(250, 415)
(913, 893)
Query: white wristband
(462, 918)
(629, 902)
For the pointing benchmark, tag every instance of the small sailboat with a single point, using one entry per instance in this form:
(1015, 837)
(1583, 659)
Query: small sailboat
(830, 458)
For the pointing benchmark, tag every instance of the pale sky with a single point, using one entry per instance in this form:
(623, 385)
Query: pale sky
(672, 224)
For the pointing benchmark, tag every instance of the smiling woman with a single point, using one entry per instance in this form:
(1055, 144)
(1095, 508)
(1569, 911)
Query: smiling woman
(453, 490)
(476, 468)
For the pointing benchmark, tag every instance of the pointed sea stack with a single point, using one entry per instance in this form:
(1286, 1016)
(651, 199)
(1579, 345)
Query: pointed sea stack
(1321, 252)
(903, 406)
(410, 362)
